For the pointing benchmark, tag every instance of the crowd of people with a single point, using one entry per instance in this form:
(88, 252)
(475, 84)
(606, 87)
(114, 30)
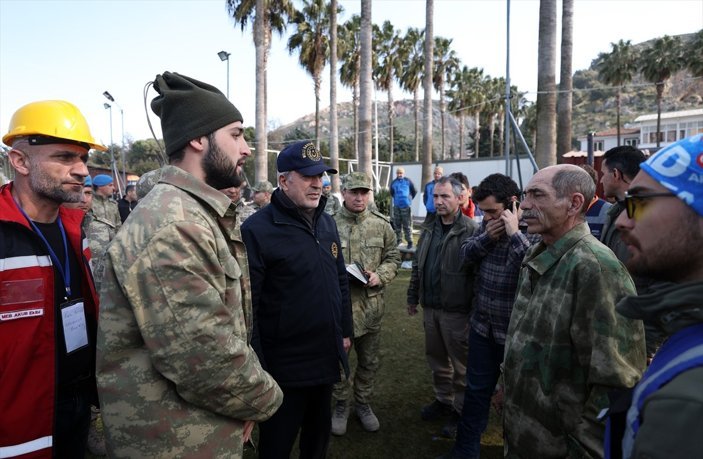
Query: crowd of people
(189, 317)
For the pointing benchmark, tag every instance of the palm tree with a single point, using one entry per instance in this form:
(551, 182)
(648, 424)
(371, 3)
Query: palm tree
(617, 69)
(387, 69)
(411, 52)
(466, 99)
(446, 63)
(334, 130)
(365, 88)
(350, 70)
(427, 87)
(693, 51)
(545, 149)
(564, 100)
(275, 18)
(493, 107)
(658, 62)
(312, 43)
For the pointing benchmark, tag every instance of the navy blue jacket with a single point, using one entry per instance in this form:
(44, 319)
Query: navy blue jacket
(300, 293)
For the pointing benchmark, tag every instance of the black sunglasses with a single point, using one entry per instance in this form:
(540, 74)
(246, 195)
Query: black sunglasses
(633, 201)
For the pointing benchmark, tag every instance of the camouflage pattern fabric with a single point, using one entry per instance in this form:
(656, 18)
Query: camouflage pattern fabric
(146, 182)
(177, 376)
(332, 205)
(244, 211)
(368, 239)
(567, 347)
(104, 222)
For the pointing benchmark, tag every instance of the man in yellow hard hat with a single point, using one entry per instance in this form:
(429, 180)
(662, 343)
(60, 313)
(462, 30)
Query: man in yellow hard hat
(48, 303)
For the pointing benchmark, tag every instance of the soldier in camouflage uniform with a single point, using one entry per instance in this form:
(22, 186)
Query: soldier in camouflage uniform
(104, 222)
(566, 346)
(176, 372)
(368, 239)
(333, 205)
(262, 195)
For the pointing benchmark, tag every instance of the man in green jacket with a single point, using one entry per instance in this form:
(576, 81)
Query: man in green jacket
(663, 230)
(177, 376)
(367, 239)
(566, 346)
(443, 283)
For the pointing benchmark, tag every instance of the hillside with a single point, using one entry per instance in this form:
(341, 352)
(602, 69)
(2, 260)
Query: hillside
(594, 109)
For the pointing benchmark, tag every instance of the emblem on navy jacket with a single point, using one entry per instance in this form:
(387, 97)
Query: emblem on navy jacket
(334, 249)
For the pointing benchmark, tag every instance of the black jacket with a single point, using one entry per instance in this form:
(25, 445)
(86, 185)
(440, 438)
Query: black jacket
(300, 293)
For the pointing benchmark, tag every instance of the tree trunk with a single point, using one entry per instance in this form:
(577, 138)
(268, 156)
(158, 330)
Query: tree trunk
(427, 86)
(660, 93)
(501, 131)
(416, 99)
(564, 102)
(461, 133)
(317, 79)
(491, 134)
(442, 116)
(355, 110)
(261, 157)
(477, 132)
(334, 131)
(391, 117)
(545, 149)
(617, 103)
(366, 90)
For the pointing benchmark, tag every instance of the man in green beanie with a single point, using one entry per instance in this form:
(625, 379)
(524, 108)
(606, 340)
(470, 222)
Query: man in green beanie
(176, 374)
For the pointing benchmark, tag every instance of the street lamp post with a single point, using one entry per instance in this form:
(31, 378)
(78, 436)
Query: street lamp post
(112, 149)
(224, 56)
(109, 97)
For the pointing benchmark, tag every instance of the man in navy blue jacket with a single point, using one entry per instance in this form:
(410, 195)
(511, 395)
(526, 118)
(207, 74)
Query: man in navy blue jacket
(301, 303)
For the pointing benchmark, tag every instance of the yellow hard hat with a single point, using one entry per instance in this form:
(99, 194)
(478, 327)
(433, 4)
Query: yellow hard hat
(51, 118)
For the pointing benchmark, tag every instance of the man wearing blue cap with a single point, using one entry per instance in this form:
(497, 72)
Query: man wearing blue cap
(665, 239)
(104, 223)
(300, 297)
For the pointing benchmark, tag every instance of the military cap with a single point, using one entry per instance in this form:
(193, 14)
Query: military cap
(263, 186)
(102, 180)
(303, 158)
(357, 180)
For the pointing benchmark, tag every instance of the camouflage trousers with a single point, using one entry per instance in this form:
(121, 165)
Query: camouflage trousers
(402, 219)
(363, 378)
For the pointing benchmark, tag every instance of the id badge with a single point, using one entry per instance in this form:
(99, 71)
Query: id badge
(75, 330)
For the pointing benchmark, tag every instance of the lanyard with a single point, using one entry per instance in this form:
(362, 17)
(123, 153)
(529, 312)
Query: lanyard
(65, 270)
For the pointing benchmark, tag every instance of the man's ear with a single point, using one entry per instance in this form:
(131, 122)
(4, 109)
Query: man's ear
(199, 144)
(19, 161)
(576, 204)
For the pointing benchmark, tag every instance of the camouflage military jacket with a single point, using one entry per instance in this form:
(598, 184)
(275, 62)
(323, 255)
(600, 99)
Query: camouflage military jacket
(367, 238)
(103, 223)
(177, 376)
(243, 211)
(567, 347)
(332, 205)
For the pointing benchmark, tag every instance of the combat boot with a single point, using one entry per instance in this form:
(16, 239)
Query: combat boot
(367, 418)
(339, 418)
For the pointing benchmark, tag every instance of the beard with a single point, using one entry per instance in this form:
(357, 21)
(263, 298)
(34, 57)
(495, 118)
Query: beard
(45, 186)
(220, 170)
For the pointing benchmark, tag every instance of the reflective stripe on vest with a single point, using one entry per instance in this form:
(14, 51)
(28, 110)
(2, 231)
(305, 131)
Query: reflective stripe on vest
(25, 448)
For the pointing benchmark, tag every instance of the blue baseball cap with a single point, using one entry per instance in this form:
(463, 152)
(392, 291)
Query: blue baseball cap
(303, 158)
(102, 180)
(679, 168)
(87, 182)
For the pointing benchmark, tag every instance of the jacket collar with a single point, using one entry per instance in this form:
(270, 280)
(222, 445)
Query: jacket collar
(11, 213)
(183, 180)
(356, 217)
(544, 257)
(285, 208)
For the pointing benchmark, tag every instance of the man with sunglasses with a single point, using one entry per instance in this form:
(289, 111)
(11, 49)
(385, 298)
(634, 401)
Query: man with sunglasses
(663, 231)
(619, 167)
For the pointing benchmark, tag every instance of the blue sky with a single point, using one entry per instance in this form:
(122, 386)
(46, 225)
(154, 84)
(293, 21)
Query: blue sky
(75, 50)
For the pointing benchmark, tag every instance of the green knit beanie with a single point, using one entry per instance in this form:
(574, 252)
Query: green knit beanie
(189, 109)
